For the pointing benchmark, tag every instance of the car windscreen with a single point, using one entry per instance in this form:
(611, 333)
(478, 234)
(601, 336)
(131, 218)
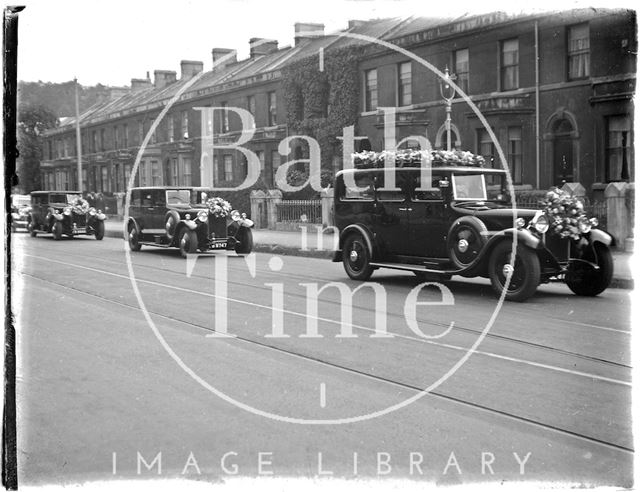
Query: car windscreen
(469, 187)
(178, 197)
(20, 201)
(71, 197)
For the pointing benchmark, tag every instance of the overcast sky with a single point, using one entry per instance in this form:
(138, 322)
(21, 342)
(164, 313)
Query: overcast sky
(112, 41)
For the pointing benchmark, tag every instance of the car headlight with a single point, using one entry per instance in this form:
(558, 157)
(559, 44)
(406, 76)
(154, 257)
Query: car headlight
(584, 225)
(203, 216)
(541, 223)
(92, 211)
(67, 211)
(235, 215)
(520, 223)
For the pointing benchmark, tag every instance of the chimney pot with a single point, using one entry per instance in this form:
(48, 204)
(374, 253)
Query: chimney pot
(217, 53)
(140, 84)
(163, 78)
(355, 23)
(307, 30)
(190, 68)
(261, 46)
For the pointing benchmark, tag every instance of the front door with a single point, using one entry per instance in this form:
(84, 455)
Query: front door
(563, 160)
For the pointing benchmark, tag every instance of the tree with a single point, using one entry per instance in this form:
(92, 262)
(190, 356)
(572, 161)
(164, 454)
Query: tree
(33, 121)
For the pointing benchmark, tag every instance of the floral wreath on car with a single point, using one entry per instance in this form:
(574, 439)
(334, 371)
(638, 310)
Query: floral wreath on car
(80, 206)
(566, 214)
(219, 207)
(408, 157)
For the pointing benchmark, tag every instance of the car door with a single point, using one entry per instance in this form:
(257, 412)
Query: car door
(392, 226)
(158, 210)
(428, 219)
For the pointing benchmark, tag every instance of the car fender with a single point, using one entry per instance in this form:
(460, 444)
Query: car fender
(246, 223)
(524, 237)
(57, 217)
(171, 221)
(136, 226)
(364, 231)
(100, 216)
(598, 236)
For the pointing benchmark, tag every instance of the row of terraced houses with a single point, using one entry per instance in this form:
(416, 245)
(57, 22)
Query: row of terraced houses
(555, 88)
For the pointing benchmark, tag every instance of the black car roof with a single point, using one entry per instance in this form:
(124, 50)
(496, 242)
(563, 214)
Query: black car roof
(59, 192)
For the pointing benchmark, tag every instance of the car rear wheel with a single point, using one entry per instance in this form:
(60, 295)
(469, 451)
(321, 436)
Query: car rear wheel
(245, 236)
(188, 242)
(584, 280)
(356, 257)
(57, 231)
(134, 238)
(98, 230)
(526, 272)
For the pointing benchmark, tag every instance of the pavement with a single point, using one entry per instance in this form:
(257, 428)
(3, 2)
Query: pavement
(312, 244)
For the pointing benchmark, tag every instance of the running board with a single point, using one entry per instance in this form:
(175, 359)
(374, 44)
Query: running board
(158, 245)
(414, 268)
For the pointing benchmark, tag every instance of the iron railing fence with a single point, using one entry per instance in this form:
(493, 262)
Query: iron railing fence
(299, 211)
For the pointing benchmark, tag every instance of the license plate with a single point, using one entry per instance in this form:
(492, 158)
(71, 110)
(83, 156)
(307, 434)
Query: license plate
(219, 245)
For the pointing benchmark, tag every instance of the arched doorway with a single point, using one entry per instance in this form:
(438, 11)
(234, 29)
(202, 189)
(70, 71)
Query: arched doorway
(563, 155)
(561, 149)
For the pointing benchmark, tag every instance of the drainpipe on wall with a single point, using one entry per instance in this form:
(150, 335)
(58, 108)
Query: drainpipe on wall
(537, 54)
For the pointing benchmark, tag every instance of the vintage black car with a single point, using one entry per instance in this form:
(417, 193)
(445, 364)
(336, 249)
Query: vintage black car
(20, 209)
(64, 213)
(463, 223)
(192, 219)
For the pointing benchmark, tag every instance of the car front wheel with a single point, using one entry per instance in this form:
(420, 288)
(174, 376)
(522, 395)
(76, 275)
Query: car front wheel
(356, 258)
(98, 230)
(188, 242)
(57, 231)
(584, 280)
(525, 276)
(31, 229)
(245, 236)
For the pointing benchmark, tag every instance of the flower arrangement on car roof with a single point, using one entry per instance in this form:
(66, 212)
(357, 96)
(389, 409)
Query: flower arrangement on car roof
(80, 205)
(218, 207)
(408, 157)
(566, 214)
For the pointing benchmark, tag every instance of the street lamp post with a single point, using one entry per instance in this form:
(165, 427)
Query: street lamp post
(448, 92)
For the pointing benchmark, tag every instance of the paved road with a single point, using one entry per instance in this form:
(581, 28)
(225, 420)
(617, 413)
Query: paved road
(545, 396)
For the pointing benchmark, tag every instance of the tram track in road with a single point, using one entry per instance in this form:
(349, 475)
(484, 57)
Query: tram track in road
(456, 328)
(436, 343)
(513, 417)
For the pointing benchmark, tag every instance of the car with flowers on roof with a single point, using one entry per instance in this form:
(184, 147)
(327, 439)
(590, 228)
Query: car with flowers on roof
(64, 213)
(192, 219)
(20, 209)
(442, 213)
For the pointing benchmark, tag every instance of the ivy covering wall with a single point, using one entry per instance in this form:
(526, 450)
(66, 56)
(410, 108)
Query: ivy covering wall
(320, 104)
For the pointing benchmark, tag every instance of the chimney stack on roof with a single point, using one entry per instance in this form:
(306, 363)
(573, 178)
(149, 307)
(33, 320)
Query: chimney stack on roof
(355, 23)
(218, 53)
(117, 92)
(190, 68)
(163, 78)
(140, 84)
(261, 46)
(307, 30)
